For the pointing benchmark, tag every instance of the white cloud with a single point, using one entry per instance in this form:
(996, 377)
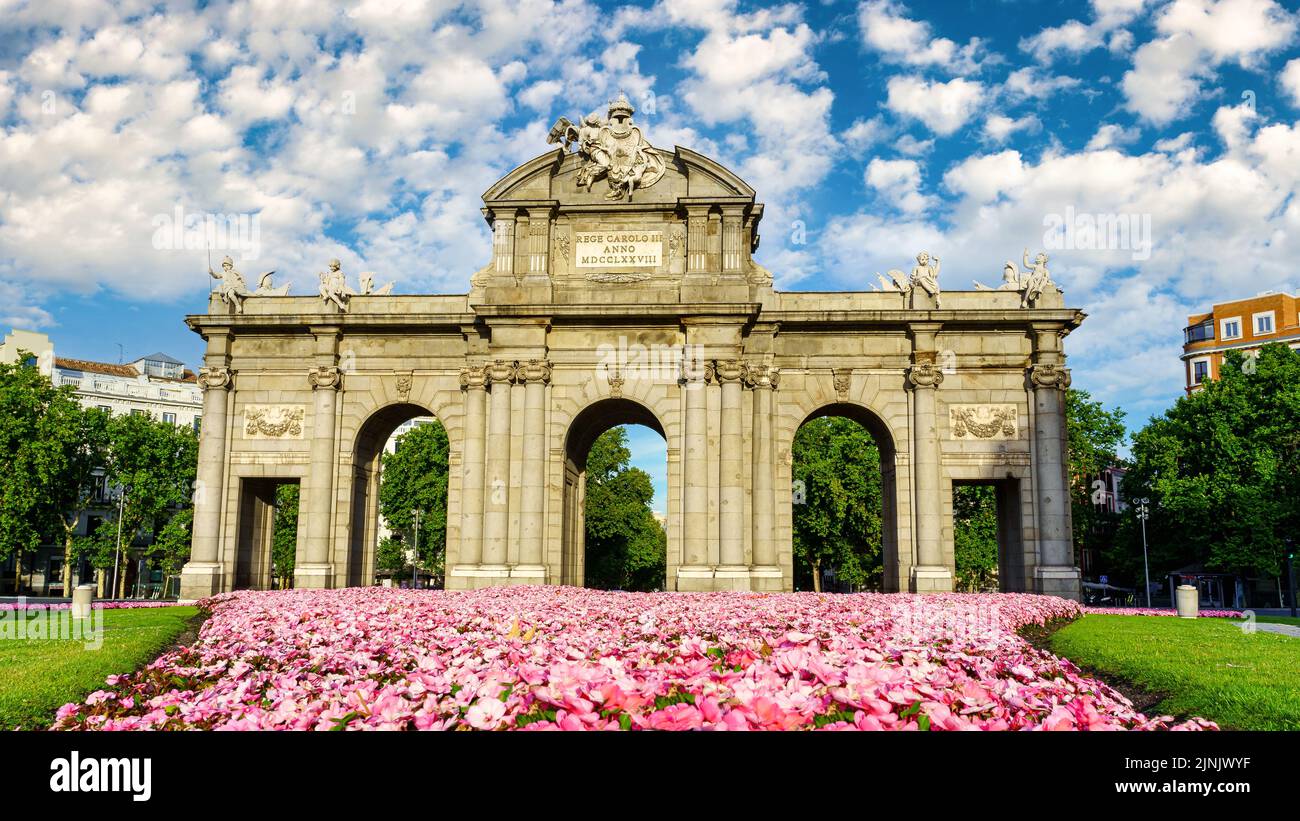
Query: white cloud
(1196, 37)
(900, 182)
(941, 107)
(1074, 38)
(898, 39)
(1110, 135)
(1290, 80)
(999, 128)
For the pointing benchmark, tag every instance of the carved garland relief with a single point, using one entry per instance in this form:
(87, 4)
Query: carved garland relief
(990, 422)
(273, 421)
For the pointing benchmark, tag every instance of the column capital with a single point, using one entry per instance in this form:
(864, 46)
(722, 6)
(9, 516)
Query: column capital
(728, 370)
(761, 376)
(474, 377)
(1046, 375)
(215, 376)
(694, 371)
(502, 372)
(535, 370)
(924, 375)
(325, 377)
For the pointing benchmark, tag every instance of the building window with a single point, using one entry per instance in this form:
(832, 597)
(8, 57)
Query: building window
(1200, 371)
(105, 408)
(1230, 328)
(169, 418)
(138, 412)
(1200, 332)
(198, 423)
(1263, 323)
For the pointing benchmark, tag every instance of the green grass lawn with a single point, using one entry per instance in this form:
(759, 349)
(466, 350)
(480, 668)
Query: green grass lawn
(37, 677)
(1204, 667)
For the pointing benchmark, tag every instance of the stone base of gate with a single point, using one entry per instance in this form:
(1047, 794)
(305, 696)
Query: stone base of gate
(527, 574)
(313, 576)
(474, 576)
(200, 581)
(931, 580)
(1058, 581)
(766, 579)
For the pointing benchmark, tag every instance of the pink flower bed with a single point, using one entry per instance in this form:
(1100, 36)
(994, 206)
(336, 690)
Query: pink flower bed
(1143, 611)
(545, 658)
(107, 605)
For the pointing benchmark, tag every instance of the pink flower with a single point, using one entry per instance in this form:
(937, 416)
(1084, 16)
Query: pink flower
(486, 714)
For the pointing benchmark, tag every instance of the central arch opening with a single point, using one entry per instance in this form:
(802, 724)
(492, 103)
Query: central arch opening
(843, 502)
(399, 499)
(613, 537)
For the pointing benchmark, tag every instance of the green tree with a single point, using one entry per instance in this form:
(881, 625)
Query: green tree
(284, 545)
(838, 503)
(1222, 471)
(975, 537)
(39, 446)
(414, 477)
(156, 463)
(1094, 436)
(626, 548)
(171, 547)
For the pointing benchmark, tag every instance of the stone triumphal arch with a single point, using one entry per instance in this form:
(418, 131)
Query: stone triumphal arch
(622, 289)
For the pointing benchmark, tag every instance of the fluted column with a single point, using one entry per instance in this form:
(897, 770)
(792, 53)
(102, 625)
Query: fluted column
(931, 573)
(762, 380)
(695, 473)
(317, 570)
(474, 382)
(496, 516)
(202, 574)
(1056, 572)
(535, 375)
(731, 496)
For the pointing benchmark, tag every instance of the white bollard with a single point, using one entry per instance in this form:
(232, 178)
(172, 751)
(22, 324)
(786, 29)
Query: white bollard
(1189, 601)
(82, 597)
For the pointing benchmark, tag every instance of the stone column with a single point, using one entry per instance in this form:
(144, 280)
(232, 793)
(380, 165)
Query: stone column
(765, 573)
(317, 570)
(731, 496)
(203, 573)
(1055, 572)
(535, 375)
(474, 381)
(695, 572)
(930, 573)
(496, 517)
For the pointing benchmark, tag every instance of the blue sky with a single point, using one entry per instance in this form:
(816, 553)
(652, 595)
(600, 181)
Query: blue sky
(367, 130)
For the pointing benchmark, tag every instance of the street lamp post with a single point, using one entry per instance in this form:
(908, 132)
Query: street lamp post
(416, 556)
(117, 555)
(1142, 513)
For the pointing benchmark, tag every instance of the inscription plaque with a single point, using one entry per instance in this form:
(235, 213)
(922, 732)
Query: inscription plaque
(618, 249)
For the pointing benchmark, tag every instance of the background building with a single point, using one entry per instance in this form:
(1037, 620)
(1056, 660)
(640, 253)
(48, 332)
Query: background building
(1244, 324)
(157, 385)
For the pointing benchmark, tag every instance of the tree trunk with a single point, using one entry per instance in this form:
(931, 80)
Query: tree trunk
(67, 557)
(18, 573)
(817, 577)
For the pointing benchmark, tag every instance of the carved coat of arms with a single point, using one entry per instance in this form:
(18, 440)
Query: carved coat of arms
(613, 149)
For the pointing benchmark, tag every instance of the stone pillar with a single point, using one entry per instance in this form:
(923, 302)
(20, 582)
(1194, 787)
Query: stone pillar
(474, 381)
(930, 573)
(1055, 572)
(317, 570)
(503, 244)
(535, 375)
(695, 572)
(765, 574)
(203, 573)
(732, 567)
(496, 516)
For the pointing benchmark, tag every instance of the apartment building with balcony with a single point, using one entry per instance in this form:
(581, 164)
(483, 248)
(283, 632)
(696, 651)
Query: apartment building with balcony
(157, 385)
(1240, 325)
